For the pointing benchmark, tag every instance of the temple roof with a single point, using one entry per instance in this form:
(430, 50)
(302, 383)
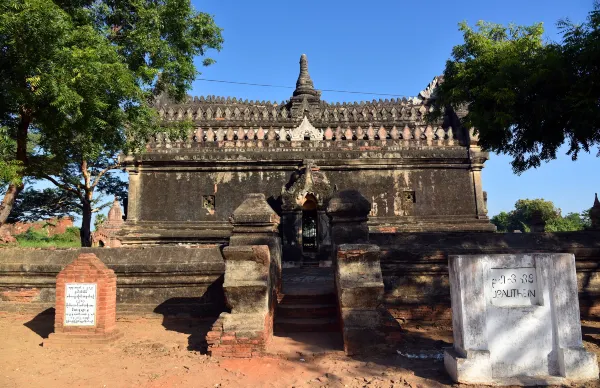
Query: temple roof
(305, 102)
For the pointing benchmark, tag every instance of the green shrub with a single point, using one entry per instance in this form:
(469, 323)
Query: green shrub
(70, 235)
(40, 239)
(33, 235)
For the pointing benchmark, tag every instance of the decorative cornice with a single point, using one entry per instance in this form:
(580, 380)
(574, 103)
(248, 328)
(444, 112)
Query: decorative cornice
(220, 111)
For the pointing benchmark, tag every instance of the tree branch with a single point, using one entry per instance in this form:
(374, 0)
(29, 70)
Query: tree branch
(62, 186)
(101, 173)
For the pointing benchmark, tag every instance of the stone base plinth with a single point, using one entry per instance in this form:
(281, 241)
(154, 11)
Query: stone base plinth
(476, 368)
(238, 336)
(362, 339)
(82, 340)
(576, 366)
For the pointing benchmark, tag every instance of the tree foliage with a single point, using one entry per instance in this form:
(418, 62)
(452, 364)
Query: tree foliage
(80, 76)
(35, 205)
(99, 221)
(524, 96)
(529, 211)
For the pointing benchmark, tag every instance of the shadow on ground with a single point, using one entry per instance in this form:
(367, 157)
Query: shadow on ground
(591, 334)
(414, 348)
(43, 323)
(194, 315)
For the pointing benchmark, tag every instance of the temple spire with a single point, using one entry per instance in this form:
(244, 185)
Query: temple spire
(304, 85)
(595, 214)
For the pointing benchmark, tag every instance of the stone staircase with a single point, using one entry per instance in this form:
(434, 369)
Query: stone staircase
(308, 303)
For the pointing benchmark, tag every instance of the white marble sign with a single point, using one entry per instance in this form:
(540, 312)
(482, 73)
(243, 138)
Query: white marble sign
(80, 304)
(513, 286)
(515, 319)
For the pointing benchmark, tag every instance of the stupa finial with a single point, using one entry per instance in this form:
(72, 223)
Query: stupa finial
(304, 85)
(595, 214)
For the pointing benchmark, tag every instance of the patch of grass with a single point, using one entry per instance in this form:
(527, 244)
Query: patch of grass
(40, 239)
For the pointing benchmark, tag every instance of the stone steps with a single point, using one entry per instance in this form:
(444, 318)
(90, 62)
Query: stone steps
(310, 299)
(301, 325)
(308, 303)
(302, 310)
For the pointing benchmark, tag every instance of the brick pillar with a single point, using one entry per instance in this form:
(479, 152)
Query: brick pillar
(359, 286)
(86, 301)
(249, 293)
(133, 200)
(358, 279)
(252, 280)
(256, 223)
(349, 212)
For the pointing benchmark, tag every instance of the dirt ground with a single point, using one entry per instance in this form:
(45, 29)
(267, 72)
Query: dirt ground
(156, 353)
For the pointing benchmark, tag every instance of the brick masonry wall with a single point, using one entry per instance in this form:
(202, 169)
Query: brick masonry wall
(415, 266)
(168, 281)
(53, 226)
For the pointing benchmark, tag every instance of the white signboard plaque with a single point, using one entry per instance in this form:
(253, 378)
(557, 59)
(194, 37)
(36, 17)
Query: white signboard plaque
(513, 286)
(515, 319)
(80, 304)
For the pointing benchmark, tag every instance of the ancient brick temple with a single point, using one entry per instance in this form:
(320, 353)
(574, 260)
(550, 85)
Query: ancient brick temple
(418, 176)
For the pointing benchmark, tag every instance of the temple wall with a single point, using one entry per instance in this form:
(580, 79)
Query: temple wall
(163, 280)
(415, 266)
(180, 280)
(437, 192)
(159, 189)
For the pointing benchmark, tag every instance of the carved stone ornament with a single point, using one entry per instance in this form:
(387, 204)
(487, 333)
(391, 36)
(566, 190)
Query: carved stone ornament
(306, 129)
(307, 180)
(429, 91)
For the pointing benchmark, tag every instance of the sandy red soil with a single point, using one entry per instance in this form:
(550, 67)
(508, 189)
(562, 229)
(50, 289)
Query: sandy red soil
(154, 353)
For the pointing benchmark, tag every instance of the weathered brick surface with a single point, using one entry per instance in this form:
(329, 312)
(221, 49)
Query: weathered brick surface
(360, 291)
(21, 295)
(190, 280)
(234, 345)
(415, 266)
(87, 268)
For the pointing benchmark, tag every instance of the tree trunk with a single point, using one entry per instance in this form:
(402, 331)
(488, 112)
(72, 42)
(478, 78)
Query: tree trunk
(86, 223)
(8, 201)
(13, 190)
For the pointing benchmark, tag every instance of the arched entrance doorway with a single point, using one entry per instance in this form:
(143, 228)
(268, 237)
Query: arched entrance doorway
(304, 224)
(310, 221)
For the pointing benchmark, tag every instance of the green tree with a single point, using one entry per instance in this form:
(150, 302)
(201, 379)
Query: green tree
(524, 96)
(35, 205)
(503, 222)
(80, 77)
(569, 223)
(100, 219)
(529, 211)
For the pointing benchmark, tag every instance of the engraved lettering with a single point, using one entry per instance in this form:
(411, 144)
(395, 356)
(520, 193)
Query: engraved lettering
(80, 304)
(513, 286)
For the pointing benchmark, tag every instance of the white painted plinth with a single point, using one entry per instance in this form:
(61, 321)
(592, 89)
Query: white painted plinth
(516, 321)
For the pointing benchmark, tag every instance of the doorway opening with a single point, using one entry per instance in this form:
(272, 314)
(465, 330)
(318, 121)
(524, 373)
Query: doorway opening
(309, 224)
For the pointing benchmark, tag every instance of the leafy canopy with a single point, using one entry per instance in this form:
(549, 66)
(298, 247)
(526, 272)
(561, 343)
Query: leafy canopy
(78, 78)
(530, 211)
(524, 96)
(35, 205)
